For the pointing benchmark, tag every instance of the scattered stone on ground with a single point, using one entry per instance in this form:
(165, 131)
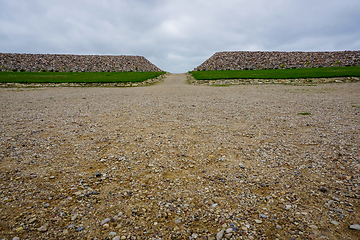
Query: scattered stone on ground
(177, 161)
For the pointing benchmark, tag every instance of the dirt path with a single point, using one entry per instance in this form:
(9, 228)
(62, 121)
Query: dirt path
(173, 161)
(175, 80)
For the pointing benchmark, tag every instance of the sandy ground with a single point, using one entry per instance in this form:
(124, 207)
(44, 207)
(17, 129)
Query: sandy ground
(176, 161)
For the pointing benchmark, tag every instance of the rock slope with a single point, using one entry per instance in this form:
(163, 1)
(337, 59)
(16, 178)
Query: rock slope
(74, 63)
(244, 60)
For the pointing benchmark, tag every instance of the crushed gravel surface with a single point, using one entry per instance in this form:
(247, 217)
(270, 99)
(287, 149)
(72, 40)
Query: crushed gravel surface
(177, 161)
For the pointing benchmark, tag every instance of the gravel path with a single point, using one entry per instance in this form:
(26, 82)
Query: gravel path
(175, 161)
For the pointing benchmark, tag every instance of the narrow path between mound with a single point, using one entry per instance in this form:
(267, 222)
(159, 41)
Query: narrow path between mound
(174, 79)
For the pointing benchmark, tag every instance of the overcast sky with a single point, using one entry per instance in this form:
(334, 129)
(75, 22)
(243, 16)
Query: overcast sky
(177, 36)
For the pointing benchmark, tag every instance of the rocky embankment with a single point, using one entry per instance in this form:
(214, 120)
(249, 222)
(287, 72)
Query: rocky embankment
(245, 60)
(75, 63)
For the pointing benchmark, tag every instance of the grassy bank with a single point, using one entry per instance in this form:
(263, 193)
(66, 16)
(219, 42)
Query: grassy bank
(76, 77)
(279, 73)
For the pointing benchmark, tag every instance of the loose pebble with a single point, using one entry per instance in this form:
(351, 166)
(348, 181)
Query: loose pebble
(355, 227)
(335, 222)
(42, 229)
(220, 235)
(79, 229)
(106, 220)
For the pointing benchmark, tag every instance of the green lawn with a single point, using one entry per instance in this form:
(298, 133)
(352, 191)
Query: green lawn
(76, 77)
(279, 73)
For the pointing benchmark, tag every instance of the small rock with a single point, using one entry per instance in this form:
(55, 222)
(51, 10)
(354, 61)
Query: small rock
(262, 216)
(19, 229)
(355, 227)
(116, 238)
(313, 226)
(194, 236)
(279, 227)
(214, 205)
(79, 229)
(74, 217)
(105, 221)
(42, 229)
(229, 230)
(52, 177)
(335, 222)
(220, 235)
(32, 220)
(123, 237)
(98, 174)
(177, 221)
(244, 228)
(65, 232)
(112, 233)
(258, 221)
(106, 226)
(16, 238)
(228, 235)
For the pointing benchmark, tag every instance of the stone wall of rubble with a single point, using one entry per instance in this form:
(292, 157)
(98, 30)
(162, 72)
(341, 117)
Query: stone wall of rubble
(244, 60)
(75, 63)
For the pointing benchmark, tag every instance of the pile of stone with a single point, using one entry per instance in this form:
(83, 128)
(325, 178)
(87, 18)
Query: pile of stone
(246, 60)
(74, 63)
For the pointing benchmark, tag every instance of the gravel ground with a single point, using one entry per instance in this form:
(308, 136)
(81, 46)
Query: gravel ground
(177, 161)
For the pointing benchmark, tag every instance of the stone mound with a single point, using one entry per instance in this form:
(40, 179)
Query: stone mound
(75, 63)
(247, 60)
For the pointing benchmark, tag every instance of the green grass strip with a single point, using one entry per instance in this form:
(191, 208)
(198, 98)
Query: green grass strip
(76, 77)
(327, 72)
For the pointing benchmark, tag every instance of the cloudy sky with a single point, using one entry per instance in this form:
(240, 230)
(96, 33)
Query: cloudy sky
(177, 35)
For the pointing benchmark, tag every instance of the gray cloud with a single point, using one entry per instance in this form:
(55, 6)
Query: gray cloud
(177, 35)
